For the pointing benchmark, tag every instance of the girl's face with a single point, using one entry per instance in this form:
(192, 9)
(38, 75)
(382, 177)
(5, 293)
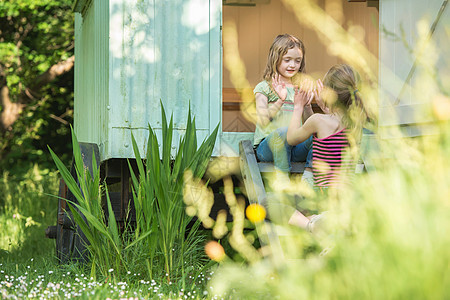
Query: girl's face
(290, 63)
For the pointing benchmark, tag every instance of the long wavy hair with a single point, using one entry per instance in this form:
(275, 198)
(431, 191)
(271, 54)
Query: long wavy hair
(345, 82)
(279, 48)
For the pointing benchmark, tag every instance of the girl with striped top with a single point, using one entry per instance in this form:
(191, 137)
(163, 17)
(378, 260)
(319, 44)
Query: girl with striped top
(334, 133)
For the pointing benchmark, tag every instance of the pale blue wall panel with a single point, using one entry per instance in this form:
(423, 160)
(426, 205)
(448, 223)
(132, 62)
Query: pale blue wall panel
(399, 104)
(91, 75)
(215, 72)
(401, 18)
(132, 54)
(160, 50)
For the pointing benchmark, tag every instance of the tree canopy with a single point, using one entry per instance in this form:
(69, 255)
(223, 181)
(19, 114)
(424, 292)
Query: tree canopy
(36, 80)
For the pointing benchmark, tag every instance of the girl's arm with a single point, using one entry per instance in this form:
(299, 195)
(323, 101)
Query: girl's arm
(297, 133)
(307, 112)
(307, 85)
(319, 100)
(264, 112)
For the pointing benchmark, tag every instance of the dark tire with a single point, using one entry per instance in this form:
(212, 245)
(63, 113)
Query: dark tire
(71, 242)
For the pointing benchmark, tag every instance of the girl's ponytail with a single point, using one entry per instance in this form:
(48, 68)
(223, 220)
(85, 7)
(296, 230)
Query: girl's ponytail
(345, 81)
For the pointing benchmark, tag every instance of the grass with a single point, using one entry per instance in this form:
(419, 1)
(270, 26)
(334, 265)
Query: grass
(26, 210)
(28, 264)
(162, 258)
(36, 278)
(388, 240)
(387, 234)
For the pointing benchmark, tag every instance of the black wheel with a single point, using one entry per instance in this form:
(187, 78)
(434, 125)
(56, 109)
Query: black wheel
(71, 242)
(64, 233)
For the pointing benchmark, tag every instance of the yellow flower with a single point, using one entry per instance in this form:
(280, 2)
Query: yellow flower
(255, 213)
(215, 251)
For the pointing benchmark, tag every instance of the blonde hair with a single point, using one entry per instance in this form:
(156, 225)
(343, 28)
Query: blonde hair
(279, 48)
(345, 83)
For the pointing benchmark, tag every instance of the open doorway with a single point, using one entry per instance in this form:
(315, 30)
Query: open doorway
(258, 22)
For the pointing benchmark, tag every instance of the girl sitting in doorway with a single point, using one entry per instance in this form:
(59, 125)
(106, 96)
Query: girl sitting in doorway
(334, 133)
(275, 102)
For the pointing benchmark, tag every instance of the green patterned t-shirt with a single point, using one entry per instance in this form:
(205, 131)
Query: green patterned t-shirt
(282, 118)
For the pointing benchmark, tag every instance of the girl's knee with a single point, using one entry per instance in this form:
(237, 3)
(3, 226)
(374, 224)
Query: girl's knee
(282, 132)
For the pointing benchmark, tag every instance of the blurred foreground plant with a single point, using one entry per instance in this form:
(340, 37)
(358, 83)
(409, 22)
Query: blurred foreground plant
(386, 235)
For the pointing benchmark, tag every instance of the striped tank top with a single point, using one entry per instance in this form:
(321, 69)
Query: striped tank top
(330, 161)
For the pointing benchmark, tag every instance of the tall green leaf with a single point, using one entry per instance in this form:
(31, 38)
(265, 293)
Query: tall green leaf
(163, 183)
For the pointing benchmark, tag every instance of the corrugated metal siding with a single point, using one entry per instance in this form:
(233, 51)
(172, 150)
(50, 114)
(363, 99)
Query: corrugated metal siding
(406, 107)
(161, 50)
(91, 75)
(132, 54)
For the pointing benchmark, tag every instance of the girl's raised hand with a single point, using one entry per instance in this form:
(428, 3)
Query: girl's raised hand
(318, 96)
(307, 84)
(319, 86)
(303, 97)
(279, 87)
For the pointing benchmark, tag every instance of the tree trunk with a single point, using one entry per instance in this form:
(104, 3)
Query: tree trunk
(11, 110)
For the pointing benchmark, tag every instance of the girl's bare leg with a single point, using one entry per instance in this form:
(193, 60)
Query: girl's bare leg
(299, 219)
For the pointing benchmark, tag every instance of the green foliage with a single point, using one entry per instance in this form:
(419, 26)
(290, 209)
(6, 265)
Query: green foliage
(28, 267)
(158, 198)
(26, 209)
(385, 236)
(36, 34)
(41, 278)
(105, 245)
(165, 242)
